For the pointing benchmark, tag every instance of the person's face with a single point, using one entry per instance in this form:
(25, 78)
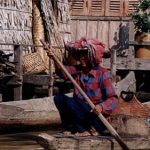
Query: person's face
(83, 58)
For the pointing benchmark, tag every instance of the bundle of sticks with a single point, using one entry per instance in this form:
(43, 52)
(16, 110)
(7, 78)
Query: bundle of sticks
(7, 68)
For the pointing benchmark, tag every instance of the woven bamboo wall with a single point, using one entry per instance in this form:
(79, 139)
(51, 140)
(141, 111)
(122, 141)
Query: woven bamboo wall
(16, 21)
(64, 19)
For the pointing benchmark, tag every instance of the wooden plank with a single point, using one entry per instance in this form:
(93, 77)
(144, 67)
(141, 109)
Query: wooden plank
(81, 29)
(106, 32)
(131, 52)
(101, 18)
(103, 33)
(18, 59)
(36, 79)
(124, 64)
(131, 31)
(92, 29)
(132, 43)
(100, 143)
(73, 26)
(113, 33)
(1, 97)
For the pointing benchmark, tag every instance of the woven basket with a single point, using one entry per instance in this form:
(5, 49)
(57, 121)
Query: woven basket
(142, 51)
(33, 63)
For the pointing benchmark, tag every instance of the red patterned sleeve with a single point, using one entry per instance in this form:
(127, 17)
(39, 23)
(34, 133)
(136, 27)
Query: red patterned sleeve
(109, 96)
(71, 69)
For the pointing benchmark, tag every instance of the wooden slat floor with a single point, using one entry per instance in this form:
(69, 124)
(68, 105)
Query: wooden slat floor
(9, 142)
(54, 140)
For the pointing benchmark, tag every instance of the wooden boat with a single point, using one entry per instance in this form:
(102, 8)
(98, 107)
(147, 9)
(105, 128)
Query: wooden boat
(32, 112)
(42, 112)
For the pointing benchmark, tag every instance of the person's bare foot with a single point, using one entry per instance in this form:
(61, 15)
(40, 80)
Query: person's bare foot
(93, 132)
(67, 133)
(82, 134)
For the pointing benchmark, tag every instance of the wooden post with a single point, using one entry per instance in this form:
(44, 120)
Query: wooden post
(113, 64)
(131, 52)
(51, 80)
(18, 59)
(1, 97)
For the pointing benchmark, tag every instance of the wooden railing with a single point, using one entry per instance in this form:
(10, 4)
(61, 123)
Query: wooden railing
(36, 79)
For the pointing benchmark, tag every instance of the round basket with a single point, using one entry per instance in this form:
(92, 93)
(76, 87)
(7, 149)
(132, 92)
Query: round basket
(142, 51)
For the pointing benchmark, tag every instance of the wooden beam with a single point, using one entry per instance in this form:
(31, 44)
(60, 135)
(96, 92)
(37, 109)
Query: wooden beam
(36, 79)
(124, 64)
(1, 97)
(101, 18)
(18, 59)
(133, 43)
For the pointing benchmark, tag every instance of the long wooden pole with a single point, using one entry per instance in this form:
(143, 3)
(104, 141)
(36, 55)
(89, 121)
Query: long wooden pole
(101, 117)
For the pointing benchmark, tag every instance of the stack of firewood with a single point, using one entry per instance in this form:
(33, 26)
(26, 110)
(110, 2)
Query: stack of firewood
(7, 68)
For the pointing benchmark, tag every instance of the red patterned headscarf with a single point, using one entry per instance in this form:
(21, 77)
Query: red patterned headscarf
(94, 47)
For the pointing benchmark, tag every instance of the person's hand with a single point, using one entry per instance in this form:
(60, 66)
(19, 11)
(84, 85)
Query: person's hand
(49, 50)
(98, 109)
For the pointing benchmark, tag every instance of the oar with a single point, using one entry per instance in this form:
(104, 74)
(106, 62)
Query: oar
(101, 117)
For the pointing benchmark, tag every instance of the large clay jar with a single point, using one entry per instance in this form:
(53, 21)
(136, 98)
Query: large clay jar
(142, 51)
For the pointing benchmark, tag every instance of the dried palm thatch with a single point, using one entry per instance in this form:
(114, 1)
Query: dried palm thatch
(51, 26)
(38, 33)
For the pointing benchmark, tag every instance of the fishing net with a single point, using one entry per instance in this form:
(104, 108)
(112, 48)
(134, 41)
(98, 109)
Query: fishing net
(132, 107)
